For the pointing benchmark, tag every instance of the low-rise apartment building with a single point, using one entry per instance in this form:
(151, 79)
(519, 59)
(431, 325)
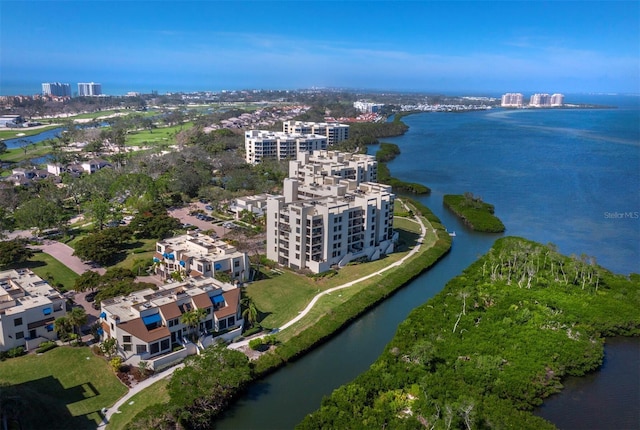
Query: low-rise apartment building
(262, 144)
(333, 131)
(197, 254)
(28, 308)
(148, 324)
(255, 204)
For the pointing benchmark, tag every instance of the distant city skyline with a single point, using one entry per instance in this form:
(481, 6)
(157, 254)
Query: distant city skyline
(448, 47)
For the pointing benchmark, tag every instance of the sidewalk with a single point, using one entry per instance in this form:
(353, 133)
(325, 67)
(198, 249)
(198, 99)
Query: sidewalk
(135, 390)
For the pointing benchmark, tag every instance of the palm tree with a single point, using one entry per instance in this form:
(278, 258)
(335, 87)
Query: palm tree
(77, 318)
(191, 319)
(250, 313)
(62, 327)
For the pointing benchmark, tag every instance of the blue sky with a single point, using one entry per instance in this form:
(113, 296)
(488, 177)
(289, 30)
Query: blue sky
(451, 47)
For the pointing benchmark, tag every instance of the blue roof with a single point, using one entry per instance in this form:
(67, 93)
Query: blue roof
(151, 319)
(217, 299)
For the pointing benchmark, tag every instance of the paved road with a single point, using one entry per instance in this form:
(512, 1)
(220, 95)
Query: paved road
(64, 254)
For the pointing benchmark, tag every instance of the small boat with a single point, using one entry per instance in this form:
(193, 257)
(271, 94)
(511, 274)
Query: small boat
(452, 234)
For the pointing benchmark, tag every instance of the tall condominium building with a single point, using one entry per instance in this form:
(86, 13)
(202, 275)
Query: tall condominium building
(368, 107)
(89, 89)
(28, 308)
(512, 100)
(540, 100)
(557, 99)
(330, 213)
(310, 168)
(56, 89)
(334, 132)
(262, 144)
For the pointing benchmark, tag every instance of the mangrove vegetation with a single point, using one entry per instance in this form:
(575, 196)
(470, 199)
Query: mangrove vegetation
(475, 213)
(491, 345)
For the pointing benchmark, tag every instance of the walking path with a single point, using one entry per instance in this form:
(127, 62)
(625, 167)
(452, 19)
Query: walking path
(135, 390)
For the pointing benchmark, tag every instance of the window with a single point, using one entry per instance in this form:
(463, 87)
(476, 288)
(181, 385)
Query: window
(231, 320)
(165, 344)
(127, 347)
(20, 335)
(154, 348)
(141, 349)
(126, 339)
(236, 264)
(17, 322)
(222, 324)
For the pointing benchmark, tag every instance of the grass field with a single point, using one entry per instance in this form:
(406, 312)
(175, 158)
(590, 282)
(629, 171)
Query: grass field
(162, 135)
(156, 393)
(64, 388)
(18, 154)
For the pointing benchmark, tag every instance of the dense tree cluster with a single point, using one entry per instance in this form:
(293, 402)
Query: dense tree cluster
(476, 214)
(199, 391)
(491, 345)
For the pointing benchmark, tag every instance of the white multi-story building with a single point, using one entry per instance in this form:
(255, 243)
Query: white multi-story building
(368, 107)
(310, 168)
(333, 131)
(352, 222)
(512, 100)
(262, 144)
(56, 89)
(89, 89)
(255, 204)
(148, 324)
(540, 100)
(28, 308)
(198, 254)
(557, 99)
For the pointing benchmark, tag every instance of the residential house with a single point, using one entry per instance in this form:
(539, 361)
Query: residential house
(28, 308)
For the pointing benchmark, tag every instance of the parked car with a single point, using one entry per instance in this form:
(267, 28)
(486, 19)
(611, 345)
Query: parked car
(209, 207)
(91, 296)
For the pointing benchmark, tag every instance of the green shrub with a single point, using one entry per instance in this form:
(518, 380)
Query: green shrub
(252, 331)
(115, 363)
(16, 352)
(46, 346)
(256, 344)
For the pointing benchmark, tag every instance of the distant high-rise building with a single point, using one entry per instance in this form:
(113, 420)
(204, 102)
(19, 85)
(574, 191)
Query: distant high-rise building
(540, 100)
(89, 89)
(512, 100)
(368, 107)
(557, 99)
(56, 89)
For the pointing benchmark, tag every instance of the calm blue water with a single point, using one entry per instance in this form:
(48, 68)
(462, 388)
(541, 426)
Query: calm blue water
(571, 177)
(36, 138)
(553, 176)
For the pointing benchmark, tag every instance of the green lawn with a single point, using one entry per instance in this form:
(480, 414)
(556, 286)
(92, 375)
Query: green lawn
(53, 270)
(64, 388)
(156, 393)
(18, 154)
(162, 135)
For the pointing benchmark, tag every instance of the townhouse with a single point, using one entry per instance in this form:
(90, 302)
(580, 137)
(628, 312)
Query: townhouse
(28, 308)
(197, 254)
(148, 324)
